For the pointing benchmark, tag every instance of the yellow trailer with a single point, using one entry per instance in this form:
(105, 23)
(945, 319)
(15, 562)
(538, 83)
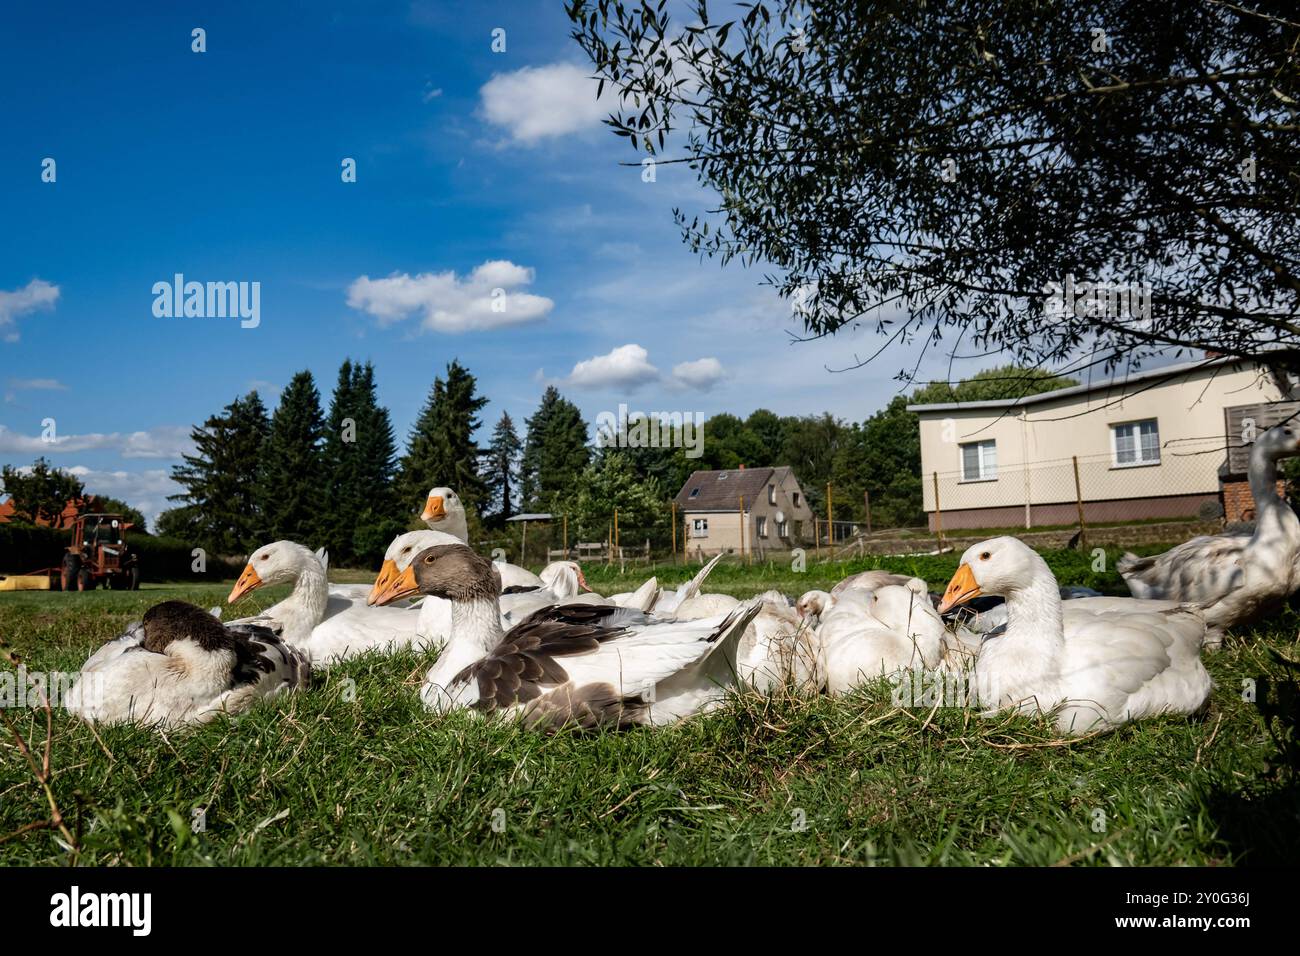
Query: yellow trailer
(25, 582)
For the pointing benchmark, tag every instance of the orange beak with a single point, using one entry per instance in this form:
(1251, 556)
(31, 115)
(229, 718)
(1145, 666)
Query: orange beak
(248, 581)
(434, 509)
(387, 574)
(401, 586)
(582, 581)
(961, 589)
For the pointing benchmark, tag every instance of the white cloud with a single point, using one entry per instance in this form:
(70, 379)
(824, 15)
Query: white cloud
(166, 441)
(541, 102)
(37, 294)
(37, 384)
(625, 367)
(144, 490)
(700, 374)
(487, 298)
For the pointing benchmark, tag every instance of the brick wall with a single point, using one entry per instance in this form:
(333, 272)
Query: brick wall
(1238, 505)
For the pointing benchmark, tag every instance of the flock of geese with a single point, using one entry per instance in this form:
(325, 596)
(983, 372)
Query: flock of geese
(548, 651)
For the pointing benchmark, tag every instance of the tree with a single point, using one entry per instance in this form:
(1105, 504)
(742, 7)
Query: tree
(501, 466)
(115, 506)
(947, 169)
(608, 483)
(292, 480)
(555, 450)
(182, 523)
(40, 493)
(221, 478)
(362, 511)
(441, 450)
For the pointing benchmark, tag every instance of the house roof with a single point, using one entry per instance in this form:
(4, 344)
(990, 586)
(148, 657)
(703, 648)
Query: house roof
(721, 490)
(1150, 376)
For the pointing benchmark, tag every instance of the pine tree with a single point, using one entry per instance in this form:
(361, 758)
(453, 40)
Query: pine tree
(221, 478)
(555, 451)
(501, 465)
(292, 480)
(441, 449)
(362, 514)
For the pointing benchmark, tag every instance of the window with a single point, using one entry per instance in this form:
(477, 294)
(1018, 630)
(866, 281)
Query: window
(1136, 443)
(694, 492)
(762, 526)
(783, 529)
(771, 494)
(979, 461)
(795, 498)
(700, 528)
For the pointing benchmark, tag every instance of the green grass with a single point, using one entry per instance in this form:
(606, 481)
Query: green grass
(355, 772)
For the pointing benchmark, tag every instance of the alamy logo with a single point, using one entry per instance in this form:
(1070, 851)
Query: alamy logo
(103, 909)
(653, 430)
(1098, 300)
(208, 300)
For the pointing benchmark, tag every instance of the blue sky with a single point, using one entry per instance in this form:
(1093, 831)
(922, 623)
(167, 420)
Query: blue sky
(476, 170)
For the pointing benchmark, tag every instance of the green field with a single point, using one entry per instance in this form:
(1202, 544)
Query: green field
(354, 772)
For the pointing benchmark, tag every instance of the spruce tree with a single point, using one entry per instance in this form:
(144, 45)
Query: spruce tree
(555, 451)
(221, 478)
(441, 449)
(292, 481)
(500, 466)
(362, 513)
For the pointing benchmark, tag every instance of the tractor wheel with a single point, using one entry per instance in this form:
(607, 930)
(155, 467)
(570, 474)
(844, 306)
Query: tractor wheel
(134, 578)
(71, 572)
(85, 581)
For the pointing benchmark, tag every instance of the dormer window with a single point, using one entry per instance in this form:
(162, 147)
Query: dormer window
(722, 476)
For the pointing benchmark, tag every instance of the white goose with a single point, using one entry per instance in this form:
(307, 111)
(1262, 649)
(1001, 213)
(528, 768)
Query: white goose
(444, 511)
(1235, 577)
(668, 601)
(1097, 662)
(589, 665)
(179, 665)
(869, 581)
(813, 604)
(870, 634)
(777, 649)
(328, 627)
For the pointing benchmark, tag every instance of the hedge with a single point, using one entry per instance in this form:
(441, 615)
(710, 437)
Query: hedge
(25, 548)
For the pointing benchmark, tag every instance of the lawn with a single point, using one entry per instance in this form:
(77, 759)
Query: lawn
(354, 772)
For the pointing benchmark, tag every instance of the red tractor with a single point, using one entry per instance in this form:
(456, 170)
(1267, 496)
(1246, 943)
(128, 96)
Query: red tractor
(98, 554)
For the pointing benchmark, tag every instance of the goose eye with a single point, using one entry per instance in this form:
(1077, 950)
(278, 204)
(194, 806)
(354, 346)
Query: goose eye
(406, 550)
(429, 560)
(984, 556)
(263, 557)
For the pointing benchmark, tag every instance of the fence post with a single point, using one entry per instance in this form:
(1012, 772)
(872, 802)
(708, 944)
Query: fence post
(938, 513)
(866, 500)
(742, 526)
(617, 550)
(565, 521)
(523, 545)
(830, 520)
(674, 551)
(1078, 498)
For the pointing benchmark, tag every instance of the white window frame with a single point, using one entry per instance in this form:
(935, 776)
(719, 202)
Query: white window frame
(771, 494)
(1140, 461)
(783, 529)
(761, 525)
(699, 527)
(985, 473)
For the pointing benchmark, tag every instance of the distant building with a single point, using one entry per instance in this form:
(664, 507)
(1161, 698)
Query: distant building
(1154, 444)
(67, 517)
(744, 511)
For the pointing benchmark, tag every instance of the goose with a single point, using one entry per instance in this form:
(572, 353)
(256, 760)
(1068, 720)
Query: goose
(1236, 578)
(589, 665)
(179, 665)
(874, 633)
(444, 511)
(813, 604)
(328, 627)
(869, 581)
(668, 601)
(777, 649)
(1097, 662)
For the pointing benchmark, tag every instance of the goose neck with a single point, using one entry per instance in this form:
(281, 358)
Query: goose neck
(1034, 615)
(477, 623)
(1262, 477)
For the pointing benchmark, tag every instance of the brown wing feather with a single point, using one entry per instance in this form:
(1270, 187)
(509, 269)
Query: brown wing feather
(586, 707)
(525, 660)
